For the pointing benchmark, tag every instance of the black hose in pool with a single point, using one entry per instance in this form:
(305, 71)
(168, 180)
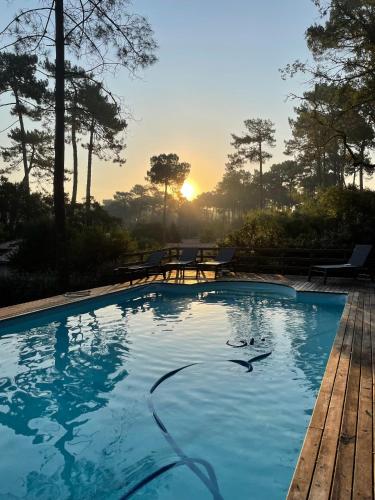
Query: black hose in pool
(209, 480)
(241, 343)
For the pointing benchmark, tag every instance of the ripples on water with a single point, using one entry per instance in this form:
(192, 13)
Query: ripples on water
(74, 420)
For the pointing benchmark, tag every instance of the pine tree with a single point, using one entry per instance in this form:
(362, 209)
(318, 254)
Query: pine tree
(167, 170)
(104, 126)
(250, 147)
(18, 79)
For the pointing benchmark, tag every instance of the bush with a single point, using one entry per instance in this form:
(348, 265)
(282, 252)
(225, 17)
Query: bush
(18, 209)
(337, 218)
(16, 288)
(173, 234)
(261, 229)
(37, 248)
(88, 247)
(91, 247)
(148, 235)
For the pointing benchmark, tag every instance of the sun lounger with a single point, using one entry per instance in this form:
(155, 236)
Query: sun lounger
(354, 266)
(151, 266)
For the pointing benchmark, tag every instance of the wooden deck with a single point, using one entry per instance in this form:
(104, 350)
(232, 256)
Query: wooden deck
(336, 460)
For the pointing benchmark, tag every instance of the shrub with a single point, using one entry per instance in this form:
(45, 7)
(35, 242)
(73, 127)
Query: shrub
(37, 248)
(22, 287)
(261, 229)
(336, 218)
(88, 247)
(148, 234)
(92, 246)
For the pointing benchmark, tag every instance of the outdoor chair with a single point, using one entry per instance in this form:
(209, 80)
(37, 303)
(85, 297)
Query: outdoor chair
(151, 266)
(224, 258)
(187, 258)
(353, 267)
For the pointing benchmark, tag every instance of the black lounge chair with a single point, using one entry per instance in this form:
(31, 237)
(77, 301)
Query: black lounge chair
(353, 267)
(151, 266)
(224, 258)
(187, 258)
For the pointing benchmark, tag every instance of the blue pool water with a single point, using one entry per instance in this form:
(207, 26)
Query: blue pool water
(76, 410)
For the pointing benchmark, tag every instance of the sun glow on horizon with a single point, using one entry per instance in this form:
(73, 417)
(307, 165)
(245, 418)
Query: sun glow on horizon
(188, 190)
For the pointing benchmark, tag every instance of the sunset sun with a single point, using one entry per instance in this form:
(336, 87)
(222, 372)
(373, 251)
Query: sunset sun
(188, 191)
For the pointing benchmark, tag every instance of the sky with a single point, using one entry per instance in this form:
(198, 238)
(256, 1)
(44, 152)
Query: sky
(218, 64)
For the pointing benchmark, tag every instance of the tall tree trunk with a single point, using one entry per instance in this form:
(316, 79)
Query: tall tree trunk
(361, 178)
(361, 170)
(319, 170)
(26, 178)
(342, 178)
(31, 161)
(342, 169)
(75, 153)
(165, 213)
(58, 175)
(261, 203)
(89, 169)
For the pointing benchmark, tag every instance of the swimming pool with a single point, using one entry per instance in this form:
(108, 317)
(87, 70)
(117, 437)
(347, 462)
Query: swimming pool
(92, 404)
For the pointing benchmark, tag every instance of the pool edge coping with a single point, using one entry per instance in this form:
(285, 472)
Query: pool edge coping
(100, 293)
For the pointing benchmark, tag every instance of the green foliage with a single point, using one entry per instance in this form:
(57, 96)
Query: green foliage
(250, 146)
(261, 229)
(331, 136)
(93, 246)
(336, 118)
(335, 219)
(208, 235)
(139, 205)
(39, 153)
(98, 217)
(89, 247)
(104, 124)
(18, 75)
(22, 287)
(17, 208)
(348, 215)
(108, 31)
(148, 234)
(167, 170)
(103, 119)
(31, 149)
(173, 233)
(281, 184)
(37, 249)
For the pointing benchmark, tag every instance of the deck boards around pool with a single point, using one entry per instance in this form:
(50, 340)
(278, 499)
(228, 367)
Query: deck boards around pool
(337, 457)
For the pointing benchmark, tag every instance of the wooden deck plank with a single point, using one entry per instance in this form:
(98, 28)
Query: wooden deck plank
(363, 481)
(343, 475)
(300, 485)
(372, 335)
(325, 464)
(318, 418)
